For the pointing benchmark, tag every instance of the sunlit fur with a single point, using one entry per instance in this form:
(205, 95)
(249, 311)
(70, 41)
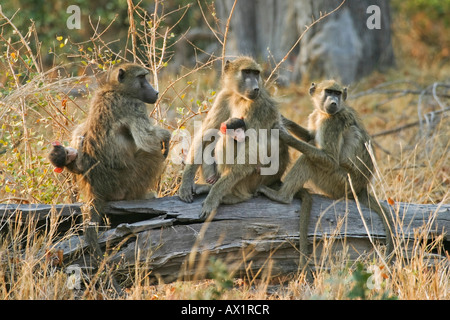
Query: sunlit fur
(237, 182)
(121, 151)
(341, 150)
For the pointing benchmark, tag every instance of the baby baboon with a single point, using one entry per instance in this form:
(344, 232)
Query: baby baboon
(341, 150)
(231, 132)
(234, 130)
(62, 157)
(121, 152)
(242, 96)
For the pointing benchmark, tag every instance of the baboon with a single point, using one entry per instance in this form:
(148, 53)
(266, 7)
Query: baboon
(121, 154)
(238, 127)
(242, 96)
(341, 151)
(64, 157)
(233, 129)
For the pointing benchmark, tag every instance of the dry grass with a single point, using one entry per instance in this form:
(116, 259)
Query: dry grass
(35, 108)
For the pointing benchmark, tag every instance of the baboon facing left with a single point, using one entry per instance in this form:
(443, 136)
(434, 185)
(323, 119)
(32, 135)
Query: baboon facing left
(121, 153)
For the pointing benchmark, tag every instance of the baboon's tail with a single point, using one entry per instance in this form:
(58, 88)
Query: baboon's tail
(305, 213)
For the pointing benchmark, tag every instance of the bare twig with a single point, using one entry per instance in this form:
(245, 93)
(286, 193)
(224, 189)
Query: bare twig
(132, 29)
(23, 40)
(207, 23)
(225, 36)
(300, 38)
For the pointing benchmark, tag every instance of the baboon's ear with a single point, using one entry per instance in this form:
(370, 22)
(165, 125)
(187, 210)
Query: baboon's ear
(121, 75)
(344, 94)
(227, 65)
(312, 89)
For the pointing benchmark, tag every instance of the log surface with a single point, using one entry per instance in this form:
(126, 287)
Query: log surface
(165, 235)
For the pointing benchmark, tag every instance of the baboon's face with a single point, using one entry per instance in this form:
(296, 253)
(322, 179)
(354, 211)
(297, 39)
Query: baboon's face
(133, 81)
(71, 154)
(331, 101)
(147, 93)
(249, 83)
(328, 98)
(243, 76)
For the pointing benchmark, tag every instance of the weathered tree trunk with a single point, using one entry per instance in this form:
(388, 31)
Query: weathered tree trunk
(342, 46)
(259, 28)
(165, 236)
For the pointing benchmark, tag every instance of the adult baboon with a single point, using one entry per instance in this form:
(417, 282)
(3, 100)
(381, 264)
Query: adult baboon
(341, 151)
(242, 96)
(121, 152)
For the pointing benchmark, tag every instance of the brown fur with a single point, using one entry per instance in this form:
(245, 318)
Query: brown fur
(121, 152)
(341, 150)
(237, 182)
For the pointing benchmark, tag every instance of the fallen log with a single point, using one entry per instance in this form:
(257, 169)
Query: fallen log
(166, 237)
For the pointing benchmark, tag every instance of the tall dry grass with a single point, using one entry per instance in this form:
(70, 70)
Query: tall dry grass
(40, 104)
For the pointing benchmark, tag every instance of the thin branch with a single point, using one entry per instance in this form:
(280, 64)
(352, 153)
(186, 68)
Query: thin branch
(207, 23)
(299, 39)
(225, 36)
(132, 29)
(22, 39)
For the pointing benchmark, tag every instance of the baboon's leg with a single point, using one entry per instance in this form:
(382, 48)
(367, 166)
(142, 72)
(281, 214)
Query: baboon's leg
(300, 172)
(222, 187)
(368, 200)
(187, 184)
(201, 188)
(233, 199)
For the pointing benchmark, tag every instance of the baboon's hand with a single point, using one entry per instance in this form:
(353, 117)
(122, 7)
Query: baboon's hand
(186, 192)
(208, 209)
(213, 178)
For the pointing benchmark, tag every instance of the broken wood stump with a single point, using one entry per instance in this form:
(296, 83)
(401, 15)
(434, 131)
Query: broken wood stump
(166, 237)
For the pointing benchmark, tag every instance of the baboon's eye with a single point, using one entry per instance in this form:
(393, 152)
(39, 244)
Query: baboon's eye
(333, 92)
